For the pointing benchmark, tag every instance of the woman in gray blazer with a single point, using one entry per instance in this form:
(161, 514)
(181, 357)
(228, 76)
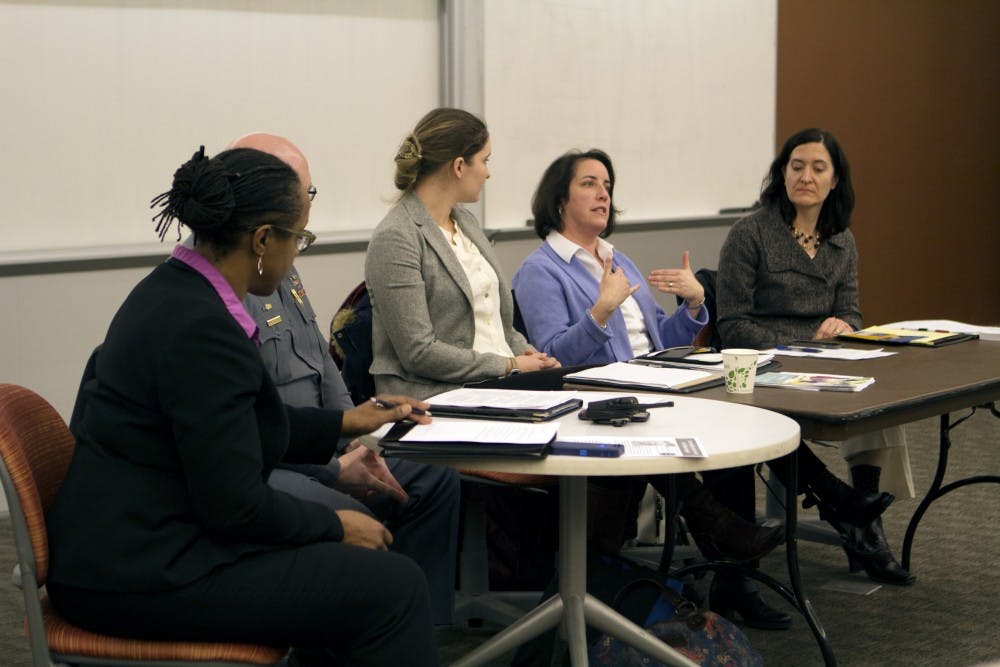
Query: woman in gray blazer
(442, 311)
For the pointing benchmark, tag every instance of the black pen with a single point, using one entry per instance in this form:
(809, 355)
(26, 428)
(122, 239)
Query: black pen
(664, 404)
(389, 405)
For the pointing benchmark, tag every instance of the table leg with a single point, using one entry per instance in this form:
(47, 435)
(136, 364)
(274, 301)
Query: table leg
(572, 605)
(792, 555)
(572, 569)
(936, 489)
(606, 619)
(543, 617)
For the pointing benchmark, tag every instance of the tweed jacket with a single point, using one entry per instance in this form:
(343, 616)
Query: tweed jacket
(554, 298)
(768, 289)
(423, 326)
(181, 428)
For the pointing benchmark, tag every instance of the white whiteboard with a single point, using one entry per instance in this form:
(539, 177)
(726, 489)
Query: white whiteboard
(680, 93)
(100, 100)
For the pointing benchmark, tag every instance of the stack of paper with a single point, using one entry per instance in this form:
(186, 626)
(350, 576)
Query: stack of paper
(636, 376)
(985, 333)
(894, 336)
(711, 361)
(813, 381)
(505, 404)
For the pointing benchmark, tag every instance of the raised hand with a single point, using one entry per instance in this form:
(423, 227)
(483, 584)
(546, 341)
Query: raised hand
(614, 289)
(680, 282)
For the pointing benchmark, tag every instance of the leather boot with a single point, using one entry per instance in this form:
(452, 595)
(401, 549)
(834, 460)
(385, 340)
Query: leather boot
(732, 594)
(866, 545)
(839, 502)
(722, 534)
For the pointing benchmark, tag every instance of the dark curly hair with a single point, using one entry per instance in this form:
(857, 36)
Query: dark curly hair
(553, 191)
(234, 192)
(835, 215)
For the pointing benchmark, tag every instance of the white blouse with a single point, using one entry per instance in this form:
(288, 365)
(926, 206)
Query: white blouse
(485, 296)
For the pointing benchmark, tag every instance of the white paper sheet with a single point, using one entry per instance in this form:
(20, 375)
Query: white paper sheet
(493, 432)
(843, 353)
(985, 333)
(641, 375)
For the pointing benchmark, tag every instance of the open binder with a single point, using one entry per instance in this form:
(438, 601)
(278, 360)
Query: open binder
(393, 445)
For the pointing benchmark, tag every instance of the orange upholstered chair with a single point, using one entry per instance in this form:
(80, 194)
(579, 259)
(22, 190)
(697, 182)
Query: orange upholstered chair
(35, 451)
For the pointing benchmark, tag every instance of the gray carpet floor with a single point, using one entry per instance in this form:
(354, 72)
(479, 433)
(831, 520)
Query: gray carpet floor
(948, 618)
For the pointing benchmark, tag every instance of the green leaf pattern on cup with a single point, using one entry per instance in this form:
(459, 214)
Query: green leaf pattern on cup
(738, 379)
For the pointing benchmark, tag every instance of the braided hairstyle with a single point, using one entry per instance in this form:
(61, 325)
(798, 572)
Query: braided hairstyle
(439, 137)
(223, 197)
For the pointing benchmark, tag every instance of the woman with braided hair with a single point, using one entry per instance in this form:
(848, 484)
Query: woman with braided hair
(164, 527)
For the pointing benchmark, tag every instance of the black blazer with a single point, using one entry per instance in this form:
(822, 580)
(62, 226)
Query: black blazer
(181, 429)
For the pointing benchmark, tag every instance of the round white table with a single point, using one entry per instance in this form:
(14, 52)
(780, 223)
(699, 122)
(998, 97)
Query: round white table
(730, 434)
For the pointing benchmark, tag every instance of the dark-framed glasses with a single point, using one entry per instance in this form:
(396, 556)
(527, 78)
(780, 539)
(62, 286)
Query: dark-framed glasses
(303, 239)
(312, 192)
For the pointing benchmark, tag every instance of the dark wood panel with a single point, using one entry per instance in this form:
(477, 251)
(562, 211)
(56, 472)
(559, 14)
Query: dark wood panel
(911, 88)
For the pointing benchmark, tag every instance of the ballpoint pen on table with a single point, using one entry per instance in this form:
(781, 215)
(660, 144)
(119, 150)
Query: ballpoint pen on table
(389, 405)
(796, 348)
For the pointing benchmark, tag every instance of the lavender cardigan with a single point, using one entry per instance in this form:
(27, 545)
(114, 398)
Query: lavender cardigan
(554, 297)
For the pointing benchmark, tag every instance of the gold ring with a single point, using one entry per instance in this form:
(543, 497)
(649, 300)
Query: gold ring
(670, 283)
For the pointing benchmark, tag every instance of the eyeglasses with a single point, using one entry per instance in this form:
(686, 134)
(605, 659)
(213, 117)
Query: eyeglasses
(312, 192)
(303, 240)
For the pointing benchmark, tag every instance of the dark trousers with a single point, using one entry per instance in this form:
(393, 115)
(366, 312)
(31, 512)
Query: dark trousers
(362, 607)
(425, 528)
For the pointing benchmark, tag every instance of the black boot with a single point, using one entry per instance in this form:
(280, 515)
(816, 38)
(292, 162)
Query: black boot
(866, 545)
(839, 502)
(722, 534)
(731, 593)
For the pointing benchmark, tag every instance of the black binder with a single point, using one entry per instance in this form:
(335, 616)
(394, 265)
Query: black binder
(392, 446)
(507, 414)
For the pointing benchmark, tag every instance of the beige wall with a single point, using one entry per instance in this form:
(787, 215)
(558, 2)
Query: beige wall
(911, 89)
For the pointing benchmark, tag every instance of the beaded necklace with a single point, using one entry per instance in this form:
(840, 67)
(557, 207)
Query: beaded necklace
(806, 240)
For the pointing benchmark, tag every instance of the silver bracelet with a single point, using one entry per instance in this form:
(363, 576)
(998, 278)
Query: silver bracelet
(602, 327)
(697, 305)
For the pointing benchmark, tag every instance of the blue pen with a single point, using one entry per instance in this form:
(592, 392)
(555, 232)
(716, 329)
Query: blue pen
(789, 348)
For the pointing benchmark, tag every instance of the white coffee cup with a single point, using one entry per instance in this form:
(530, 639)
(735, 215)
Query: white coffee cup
(740, 369)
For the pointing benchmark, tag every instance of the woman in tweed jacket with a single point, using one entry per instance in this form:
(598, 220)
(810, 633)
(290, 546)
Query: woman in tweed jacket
(789, 271)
